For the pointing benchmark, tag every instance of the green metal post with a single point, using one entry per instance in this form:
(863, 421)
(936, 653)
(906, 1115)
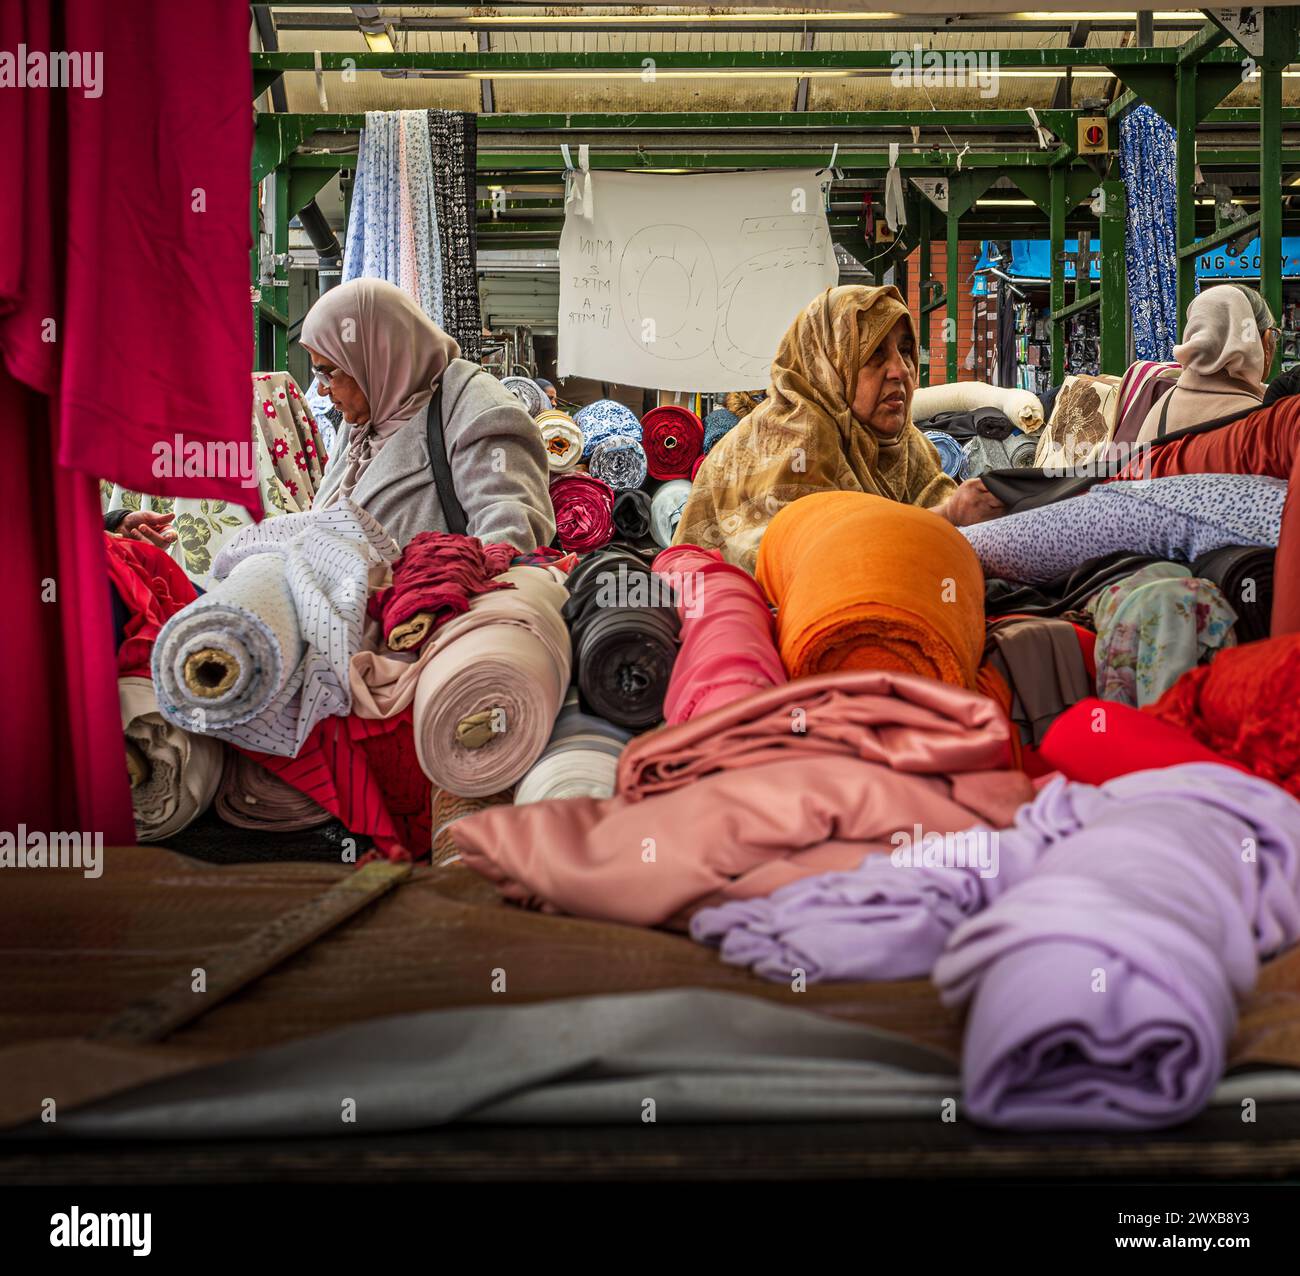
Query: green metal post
(281, 250)
(950, 297)
(1114, 299)
(254, 272)
(923, 290)
(1056, 223)
(1185, 179)
(1270, 180)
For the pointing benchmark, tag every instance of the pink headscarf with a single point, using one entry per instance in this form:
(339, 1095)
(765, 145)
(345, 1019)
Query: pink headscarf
(376, 333)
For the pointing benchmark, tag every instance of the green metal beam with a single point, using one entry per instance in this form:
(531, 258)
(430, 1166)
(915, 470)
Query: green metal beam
(1220, 236)
(773, 61)
(1056, 287)
(1184, 121)
(1076, 307)
(1201, 45)
(304, 185)
(924, 289)
(280, 302)
(1281, 36)
(1114, 299)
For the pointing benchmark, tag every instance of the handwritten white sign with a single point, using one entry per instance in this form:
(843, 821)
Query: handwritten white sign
(689, 282)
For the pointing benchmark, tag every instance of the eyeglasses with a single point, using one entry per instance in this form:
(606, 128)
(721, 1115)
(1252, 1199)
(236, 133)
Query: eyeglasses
(324, 375)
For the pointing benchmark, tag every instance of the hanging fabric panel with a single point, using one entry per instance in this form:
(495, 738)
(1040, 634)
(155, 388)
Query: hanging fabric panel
(1146, 158)
(453, 137)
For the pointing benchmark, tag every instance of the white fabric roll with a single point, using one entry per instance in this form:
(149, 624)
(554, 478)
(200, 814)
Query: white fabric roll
(1019, 406)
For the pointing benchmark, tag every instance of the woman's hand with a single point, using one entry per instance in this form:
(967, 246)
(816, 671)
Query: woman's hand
(148, 526)
(972, 502)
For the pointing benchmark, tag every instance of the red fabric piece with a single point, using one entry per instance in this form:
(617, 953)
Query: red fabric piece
(439, 572)
(695, 469)
(584, 512)
(365, 771)
(1098, 740)
(673, 439)
(1087, 649)
(1242, 706)
(98, 347)
(153, 587)
(1265, 442)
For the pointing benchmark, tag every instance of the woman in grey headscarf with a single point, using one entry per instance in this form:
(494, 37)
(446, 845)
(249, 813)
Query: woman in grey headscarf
(380, 359)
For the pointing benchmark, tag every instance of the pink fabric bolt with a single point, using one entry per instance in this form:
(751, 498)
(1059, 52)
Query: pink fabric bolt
(584, 511)
(1102, 988)
(728, 637)
(760, 813)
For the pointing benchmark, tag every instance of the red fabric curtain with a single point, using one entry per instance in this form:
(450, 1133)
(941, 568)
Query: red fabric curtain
(124, 320)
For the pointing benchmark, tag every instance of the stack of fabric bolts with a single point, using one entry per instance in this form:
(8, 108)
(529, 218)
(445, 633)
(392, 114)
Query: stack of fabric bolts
(604, 419)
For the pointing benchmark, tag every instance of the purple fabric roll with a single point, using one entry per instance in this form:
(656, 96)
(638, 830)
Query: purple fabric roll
(1103, 986)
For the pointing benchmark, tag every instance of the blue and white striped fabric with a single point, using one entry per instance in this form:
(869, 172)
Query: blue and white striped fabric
(951, 456)
(604, 419)
(392, 226)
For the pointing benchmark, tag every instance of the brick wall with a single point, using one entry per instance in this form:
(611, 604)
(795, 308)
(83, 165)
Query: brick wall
(968, 255)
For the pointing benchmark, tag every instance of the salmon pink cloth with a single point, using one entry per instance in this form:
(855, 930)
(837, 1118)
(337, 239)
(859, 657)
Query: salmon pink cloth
(761, 812)
(728, 637)
(438, 573)
(862, 582)
(1242, 706)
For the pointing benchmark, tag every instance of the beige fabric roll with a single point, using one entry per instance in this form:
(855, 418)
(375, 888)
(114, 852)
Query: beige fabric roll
(183, 769)
(251, 797)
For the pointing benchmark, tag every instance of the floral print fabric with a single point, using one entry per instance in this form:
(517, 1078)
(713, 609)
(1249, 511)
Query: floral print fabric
(1152, 627)
(289, 456)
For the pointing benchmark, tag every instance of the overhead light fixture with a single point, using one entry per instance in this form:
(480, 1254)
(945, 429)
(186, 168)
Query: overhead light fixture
(1005, 203)
(676, 19)
(374, 30)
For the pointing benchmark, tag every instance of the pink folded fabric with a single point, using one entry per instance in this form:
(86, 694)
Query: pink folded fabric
(728, 637)
(754, 825)
(901, 720)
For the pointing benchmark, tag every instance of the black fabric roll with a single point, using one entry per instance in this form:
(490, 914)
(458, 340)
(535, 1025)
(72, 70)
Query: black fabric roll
(624, 626)
(1068, 592)
(1244, 575)
(632, 514)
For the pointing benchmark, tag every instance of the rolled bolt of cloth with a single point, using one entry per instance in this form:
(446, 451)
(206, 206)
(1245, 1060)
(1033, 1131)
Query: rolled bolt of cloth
(174, 773)
(436, 576)
(624, 630)
(529, 393)
(447, 809)
(728, 648)
(717, 425)
(487, 696)
(666, 511)
(251, 797)
(1244, 575)
(951, 456)
(584, 512)
(754, 823)
(561, 440)
(581, 758)
(1179, 938)
(602, 419)
(619, 461)
(263, 656)
(673, 439)
(862, 582)
(632, 514)
(1241, 706)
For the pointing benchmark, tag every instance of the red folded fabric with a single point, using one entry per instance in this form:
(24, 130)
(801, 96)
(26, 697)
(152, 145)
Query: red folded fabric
(584, 511)
(728, 637)
(673, 439)
(695, 468)
(1242, 706)
(1097, 740)
(365, 771)
(154, 588)
(1265, 442)
(438, 573)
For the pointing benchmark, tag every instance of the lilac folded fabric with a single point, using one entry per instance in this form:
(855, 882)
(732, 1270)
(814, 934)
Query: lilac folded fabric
(1103, 987)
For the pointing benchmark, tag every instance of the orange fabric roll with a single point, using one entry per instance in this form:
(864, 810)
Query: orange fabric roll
(861, 582)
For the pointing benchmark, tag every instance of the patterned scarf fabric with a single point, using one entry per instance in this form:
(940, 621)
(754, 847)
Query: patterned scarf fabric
(453, 141)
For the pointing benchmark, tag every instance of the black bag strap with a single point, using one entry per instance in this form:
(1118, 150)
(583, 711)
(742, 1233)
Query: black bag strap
(1162, 424)
(451, 506)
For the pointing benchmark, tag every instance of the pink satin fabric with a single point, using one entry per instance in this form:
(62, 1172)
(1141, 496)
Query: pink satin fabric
(728, 637)
(766, 812)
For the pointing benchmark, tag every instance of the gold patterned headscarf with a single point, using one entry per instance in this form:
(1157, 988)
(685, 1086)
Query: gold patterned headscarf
(804, 437)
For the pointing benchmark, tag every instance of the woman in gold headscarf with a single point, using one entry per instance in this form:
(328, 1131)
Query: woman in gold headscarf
(837, 417)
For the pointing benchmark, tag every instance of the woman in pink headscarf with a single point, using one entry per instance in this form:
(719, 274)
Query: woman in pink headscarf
(383, 362)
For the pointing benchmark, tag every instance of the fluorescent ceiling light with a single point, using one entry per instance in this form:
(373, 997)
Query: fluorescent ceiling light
(1005, 203)
(628, 19)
